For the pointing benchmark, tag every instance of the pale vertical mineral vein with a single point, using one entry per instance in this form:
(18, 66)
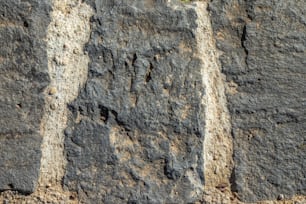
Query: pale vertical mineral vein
(67, 34)
(218, 145)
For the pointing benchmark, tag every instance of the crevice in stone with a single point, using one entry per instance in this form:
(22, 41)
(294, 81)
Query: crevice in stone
(243, 39)
(218, 145)
(67, 34)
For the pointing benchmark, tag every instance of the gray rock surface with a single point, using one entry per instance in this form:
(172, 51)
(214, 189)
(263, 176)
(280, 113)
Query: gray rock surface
(136, 129)
(264, 59)
(23, 76)
(135, 133)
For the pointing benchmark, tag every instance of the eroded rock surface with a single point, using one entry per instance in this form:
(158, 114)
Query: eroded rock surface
(136, 129)
(139, 115)
(23, 77)
(263, 44)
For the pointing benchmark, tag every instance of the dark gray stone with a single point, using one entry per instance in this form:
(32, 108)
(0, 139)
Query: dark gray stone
(264, 45)
(136, 130)
(23, 76)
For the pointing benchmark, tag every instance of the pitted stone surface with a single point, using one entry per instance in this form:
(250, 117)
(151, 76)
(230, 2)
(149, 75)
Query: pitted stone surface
(264, 60)
(23, 77)
(136, 129)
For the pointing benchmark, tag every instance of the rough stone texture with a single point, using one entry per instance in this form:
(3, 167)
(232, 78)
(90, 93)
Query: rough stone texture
(218, 144)
(67, 34)
(137, 128)
(147, 118)
(23, 76)
(263, 44)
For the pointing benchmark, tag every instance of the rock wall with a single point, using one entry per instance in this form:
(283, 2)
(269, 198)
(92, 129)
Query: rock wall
(152, 101)
(263, 44)
(136, 130)
(24, 76)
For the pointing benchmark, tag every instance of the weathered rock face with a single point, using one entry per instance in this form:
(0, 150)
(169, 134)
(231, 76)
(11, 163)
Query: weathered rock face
(137, 128)
(264, 62)
(23, 77)
(106, 101)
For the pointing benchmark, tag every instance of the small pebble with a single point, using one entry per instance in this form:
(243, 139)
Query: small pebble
(216, 170)
(52, 91)
(52, 106)
(68, 131)
(75, 51)
(57, 60)
(280, 197)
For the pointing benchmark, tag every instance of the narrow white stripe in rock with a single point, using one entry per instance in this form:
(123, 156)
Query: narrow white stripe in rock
(68, 65)
(218, 145)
